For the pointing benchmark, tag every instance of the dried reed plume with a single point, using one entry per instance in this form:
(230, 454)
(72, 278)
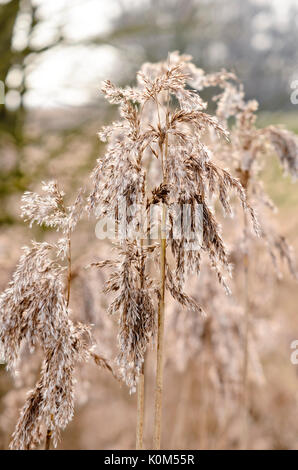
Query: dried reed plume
(248, 147)
(34, 311)
(152, 127)
(158, 186)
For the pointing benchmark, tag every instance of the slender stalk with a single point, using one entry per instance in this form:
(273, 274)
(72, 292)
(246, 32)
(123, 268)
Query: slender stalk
(246, 339)
(49, 432)
(161, 305)
(141, 381)
(140, 409)
(160, 336)
(244, 178)
(208, 395)
(48, 440)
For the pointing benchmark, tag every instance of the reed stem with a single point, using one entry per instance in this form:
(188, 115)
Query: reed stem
(161, 305)
(246, 339)
(48, 440)
(244, 178)
(141, 382)
(140, 409)
(49, 432)
(160, 336)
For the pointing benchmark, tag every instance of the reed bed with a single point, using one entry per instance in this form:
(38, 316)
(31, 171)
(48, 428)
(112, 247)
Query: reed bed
(160, 193)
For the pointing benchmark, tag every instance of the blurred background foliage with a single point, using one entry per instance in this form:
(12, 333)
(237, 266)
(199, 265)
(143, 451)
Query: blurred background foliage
(54, 55)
